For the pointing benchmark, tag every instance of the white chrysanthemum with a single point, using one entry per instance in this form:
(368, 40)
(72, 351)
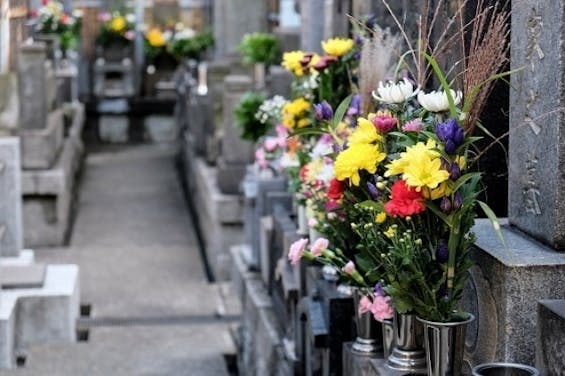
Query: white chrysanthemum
(436, 101)
(393, 93)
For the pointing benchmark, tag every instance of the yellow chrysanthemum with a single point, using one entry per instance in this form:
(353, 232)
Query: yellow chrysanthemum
(156, 38)
(413, 153)
(292, 62)
(337, 46)
(304, 122)
(442, 190)
(118, 24)
(297, 106)
(365, 133)
(295, 113)
(357, 157)
(390, 232)
(424, 172)
(380, 218)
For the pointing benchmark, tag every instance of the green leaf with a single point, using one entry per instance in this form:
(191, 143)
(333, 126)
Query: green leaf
(340, 111)
(307, 131)
(465, 178)
(494, 221)
(444, 84)
(433, 207)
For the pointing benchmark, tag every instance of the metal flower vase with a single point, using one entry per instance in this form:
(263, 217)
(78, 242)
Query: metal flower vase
(369, 331)
(504, 369)
(408, 353)
(388, 337)
(445, 345)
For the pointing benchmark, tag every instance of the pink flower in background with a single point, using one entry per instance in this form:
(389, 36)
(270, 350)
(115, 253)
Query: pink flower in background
(296, 250)
(319, 245)
(129, 35)
(271, 143)
(381, 308)
(104, 17)
(414, 125)
(260, 158)
(349, 268)
(312, 222)
(365, 305)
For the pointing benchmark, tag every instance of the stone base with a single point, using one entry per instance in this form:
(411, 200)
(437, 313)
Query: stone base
(229, 176)
(261, 350)
(160, 128)
(219, 215)
(378, 368)
(113, 128)
(40, 147)
(503, 291)
(550, 338)
(45, 314)
(48, 198)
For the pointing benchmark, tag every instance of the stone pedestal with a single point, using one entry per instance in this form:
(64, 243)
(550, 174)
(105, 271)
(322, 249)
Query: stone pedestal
(41, 147)
(279, 81)
(113, 123)
(9, 103)
(503, 291)
(236, 153)
(550, 337)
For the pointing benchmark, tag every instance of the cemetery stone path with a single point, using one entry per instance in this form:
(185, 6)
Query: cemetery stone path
(153, 311)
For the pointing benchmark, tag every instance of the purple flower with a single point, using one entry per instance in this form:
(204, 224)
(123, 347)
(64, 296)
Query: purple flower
(457, 200)
(451, 134)
(454, 171)
(379, 289)
(445, 205)
(373, 190)
(354, 106)
(323, 111)
(442, 252)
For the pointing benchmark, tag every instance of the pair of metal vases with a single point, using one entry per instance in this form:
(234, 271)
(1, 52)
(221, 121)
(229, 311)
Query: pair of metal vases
(412, 345)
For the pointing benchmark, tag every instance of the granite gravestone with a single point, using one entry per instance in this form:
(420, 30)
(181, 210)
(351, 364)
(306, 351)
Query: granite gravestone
(312, 25)
(11, 230)
(236, 153)
(550, 338)
(32, 73)
(336, 22)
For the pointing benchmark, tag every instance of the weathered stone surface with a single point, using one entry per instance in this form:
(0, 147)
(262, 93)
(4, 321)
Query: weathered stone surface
(550, 338)
(503, 291)
(312, 25)
(336, 22)
(160, 128)
(40, 147)
(233, 19)
(9, 102)
(536, 193)
(279, 81)
(113, 128)
(32, 83)
(288, 37)
(200, 120)
(11, 230)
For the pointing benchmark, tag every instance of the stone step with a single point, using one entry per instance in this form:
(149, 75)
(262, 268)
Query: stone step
(45, 314)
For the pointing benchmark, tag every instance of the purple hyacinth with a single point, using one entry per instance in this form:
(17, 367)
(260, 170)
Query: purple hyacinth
(457, 200)
(354, 106)
(451, 134)
(442, 252)
(445, 205)
(454, 171)
(323, 110)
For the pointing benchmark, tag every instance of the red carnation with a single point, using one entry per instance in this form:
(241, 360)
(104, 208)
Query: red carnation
(404, 201)
(335, 190)
(303, 173)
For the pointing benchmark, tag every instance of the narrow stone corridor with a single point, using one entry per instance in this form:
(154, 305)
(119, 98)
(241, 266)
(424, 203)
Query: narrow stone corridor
(152, 310)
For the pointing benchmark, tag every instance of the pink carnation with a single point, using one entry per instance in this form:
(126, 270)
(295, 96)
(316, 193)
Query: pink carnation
(384, 122)
(260, 158)
(365, 305)
(319, 245)
(349, 268)
(381, 308)
(296, 250)
(312, 222)
(271, 143)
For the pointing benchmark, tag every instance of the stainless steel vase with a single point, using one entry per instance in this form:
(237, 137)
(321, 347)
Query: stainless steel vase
(445, 344)
(408, 353)
(388, 337)
(369, 331)
(504, 369)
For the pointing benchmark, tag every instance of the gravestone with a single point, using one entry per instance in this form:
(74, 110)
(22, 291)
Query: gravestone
(336, 22)
(550, 341)
(536, 190)
(233, 19)
(236, 153)
(312, 25)
(279, 81)
(9, 103)
(32, 73)
(11, 230)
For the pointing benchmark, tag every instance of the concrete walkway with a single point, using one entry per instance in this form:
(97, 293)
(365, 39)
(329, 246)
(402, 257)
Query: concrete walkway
(152, 310)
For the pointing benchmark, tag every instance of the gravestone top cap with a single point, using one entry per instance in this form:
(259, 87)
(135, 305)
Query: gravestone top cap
(238, 82)
(33, 47)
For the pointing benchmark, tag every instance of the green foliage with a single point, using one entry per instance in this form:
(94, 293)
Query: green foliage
(245, 116)
(193, 47)
(259, 48)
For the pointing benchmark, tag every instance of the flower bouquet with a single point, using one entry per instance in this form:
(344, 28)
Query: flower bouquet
(117, 29)
(187, 43)
(51, 19)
